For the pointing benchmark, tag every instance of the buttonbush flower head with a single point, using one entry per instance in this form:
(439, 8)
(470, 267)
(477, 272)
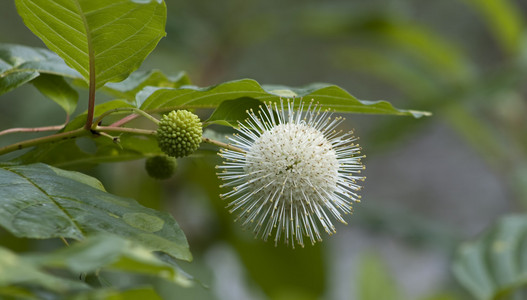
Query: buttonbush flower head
(297, 173)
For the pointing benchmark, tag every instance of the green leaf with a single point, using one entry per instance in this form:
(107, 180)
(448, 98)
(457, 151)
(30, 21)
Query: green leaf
(375, 281)
(111, 37)
(494, 266)
(109, 294)
(229, 112)
(111, 253)
(58, 272)
(80, 120)
(58, 90)
(40, 201)
(329, 96)
(128, 88)
(505, 20)
(16, 270)
(21, 64)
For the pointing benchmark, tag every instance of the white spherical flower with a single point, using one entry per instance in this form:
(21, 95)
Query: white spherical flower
(296, 172)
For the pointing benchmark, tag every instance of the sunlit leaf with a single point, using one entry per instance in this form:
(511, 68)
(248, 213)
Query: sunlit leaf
(113, 38)
(39, 201)
(494, 266)
(329, 96)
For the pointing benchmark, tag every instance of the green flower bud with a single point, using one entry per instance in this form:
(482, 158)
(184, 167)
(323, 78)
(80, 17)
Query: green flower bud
(179, 133)
(160, 167)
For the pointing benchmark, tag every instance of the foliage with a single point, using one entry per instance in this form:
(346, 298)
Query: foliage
(119, 248)
(98, 45)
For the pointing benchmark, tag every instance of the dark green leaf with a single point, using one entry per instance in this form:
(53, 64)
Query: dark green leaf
(58, 90)
(329, 96)
(21, 64)
(113, 37)
(40, 201)
(229, 112)
(128, 88)
(494, 266)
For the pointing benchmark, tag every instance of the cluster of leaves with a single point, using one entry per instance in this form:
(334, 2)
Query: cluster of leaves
(99, 45)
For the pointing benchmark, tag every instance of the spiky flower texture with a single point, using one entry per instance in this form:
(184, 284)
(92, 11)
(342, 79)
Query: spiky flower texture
(297, 174)
(179, 133)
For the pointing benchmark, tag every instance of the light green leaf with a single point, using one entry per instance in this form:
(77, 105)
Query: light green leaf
(58, 90)
(494, 266)
(128, 88)
(39, 201)
(374, 280)
(108, 37)
(25, 275)
(16, 270)
(329, 96)
(505, 21)
(229, 112)
(21, 64)
(110, 253)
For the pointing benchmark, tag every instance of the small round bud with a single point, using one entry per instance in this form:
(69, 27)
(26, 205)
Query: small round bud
(160, 167)
(179, 133)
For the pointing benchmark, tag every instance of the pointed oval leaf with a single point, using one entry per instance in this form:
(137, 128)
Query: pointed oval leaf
(20, 64)
(329, 96)
(112, 37)
(16, 270)
(230, 112)
(128, 88)
(58, 90)
(494, 265)
(39, 201)
(111, 253)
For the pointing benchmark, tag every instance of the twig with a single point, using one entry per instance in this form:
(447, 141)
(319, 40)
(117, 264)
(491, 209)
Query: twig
(46, 139)
(222, 145)
(32, 129)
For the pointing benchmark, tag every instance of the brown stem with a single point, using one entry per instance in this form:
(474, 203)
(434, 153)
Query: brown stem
(32, 129)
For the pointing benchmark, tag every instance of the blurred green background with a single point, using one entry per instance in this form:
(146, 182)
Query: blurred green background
(431, 183)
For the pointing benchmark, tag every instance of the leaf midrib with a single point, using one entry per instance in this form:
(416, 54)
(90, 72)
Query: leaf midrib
(49, 197)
